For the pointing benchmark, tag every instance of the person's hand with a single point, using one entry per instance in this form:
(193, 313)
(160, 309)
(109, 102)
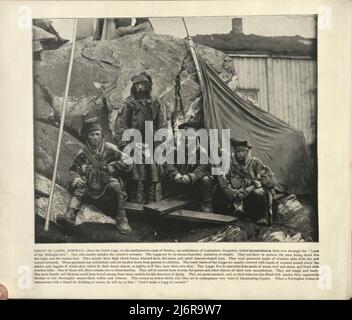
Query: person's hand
(3, 293)
(257, 184)
(126, 159)
(238, 195)
(80, 183)
(178, 178)
(146, 151)
(186, 179)
(110, 168)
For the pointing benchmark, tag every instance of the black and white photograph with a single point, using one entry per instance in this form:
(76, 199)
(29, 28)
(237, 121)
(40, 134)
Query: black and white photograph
(175, 129)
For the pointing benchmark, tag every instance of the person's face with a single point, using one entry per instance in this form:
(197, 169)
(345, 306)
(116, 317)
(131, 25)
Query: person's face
(94, 138)
(141, 87)
(241, 154)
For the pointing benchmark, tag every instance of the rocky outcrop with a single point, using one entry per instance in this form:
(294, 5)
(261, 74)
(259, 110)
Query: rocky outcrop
(45, 137)
(42, 190)
(102, 72)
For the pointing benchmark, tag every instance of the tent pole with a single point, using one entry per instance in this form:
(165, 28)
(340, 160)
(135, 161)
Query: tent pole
(62, 121)
(194, 56)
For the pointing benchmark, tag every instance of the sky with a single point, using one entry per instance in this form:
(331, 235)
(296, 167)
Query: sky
(260, 25)
(289, 25)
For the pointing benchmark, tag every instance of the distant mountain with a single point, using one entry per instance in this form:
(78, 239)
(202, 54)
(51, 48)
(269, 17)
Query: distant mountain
(233, 42)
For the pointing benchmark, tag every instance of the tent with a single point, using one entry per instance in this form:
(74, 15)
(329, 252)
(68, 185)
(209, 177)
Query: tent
(276, 143)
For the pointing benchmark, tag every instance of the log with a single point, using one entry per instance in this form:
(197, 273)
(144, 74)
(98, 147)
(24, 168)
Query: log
(172, 208)
(169, 205)
(134, 208)
(201, 216)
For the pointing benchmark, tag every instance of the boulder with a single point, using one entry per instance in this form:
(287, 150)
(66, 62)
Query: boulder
(280, 236)
(60, 201)
(102, 72)
(91, 223)
(89, 213)
(46, 137)
(42, 107)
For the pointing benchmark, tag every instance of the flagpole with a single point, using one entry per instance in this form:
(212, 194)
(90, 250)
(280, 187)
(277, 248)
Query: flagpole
(62, 121)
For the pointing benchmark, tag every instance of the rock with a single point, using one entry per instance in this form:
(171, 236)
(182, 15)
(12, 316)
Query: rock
(42, 186)
(292, 214)
(89, 213)
(60, 201)
(287, 205)
(48, 107)
(42, 106)
(280, 236)
(77, 109)
(277, 236)
(300, 220)
(230, 234)
(102, 71)
(46, 137)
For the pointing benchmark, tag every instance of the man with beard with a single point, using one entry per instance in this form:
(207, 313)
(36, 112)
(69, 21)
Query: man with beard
(138, 108)
(95, 177)
(249, 185)
(188, 177)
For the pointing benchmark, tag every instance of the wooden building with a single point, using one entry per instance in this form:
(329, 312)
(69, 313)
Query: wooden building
(283, 85)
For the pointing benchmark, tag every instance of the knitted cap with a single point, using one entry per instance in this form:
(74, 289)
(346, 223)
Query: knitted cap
(142, 77)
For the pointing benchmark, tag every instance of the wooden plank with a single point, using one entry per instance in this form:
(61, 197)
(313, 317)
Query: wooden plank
(135, 208)
(201, 216)
(169, 205)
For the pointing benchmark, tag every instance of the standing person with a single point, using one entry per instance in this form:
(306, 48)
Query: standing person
(249, 184)
(95, 177)
(192, 178)
(138, 108)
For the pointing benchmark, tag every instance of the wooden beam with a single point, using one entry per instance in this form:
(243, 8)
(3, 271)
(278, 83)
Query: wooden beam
(169, 205)
(198, 216)
(173, 208)
(135, 208)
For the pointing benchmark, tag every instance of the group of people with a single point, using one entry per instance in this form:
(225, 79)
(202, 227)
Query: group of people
(101, 173)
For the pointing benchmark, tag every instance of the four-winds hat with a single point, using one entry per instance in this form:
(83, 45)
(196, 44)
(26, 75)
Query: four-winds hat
(142, 77)
(90, 125)
(240, 145)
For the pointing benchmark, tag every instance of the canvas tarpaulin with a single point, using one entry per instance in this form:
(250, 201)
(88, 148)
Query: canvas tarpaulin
(276, 143)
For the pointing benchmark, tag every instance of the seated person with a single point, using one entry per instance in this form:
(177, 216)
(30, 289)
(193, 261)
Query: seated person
(194, 179)
(112, 28)
(249, 184)
(94, 177)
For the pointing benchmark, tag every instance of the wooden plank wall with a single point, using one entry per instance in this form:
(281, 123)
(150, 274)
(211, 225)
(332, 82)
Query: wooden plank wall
(286, 87)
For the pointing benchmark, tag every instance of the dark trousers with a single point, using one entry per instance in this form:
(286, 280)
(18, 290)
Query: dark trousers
(256, 204)
(149, 189)
(203, 188)
(114, 196)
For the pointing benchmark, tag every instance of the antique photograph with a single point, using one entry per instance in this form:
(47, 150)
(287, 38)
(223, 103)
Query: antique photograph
(175, 129)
